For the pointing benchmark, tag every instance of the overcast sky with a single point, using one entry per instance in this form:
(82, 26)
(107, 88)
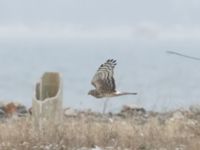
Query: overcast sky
(171, 19)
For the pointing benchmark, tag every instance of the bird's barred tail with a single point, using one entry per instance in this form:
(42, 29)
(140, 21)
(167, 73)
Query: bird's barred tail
(125, 93)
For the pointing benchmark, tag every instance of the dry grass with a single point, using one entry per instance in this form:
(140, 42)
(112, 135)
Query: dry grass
(118, 133)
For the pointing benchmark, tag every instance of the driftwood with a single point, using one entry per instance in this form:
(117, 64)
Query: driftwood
(47, 101)
(183, 55)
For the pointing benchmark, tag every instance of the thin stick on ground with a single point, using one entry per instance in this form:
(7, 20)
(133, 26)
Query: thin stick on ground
(105, 104)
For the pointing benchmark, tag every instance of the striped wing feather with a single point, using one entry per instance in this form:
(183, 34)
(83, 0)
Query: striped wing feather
(103, 80)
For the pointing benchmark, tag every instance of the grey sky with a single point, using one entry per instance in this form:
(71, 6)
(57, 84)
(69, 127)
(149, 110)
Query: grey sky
(99, 12)
(172, 19)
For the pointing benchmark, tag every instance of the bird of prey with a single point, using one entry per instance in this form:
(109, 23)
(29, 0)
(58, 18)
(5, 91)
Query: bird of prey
(104, 82)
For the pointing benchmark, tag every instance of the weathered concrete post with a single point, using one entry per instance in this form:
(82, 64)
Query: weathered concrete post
(47, 109)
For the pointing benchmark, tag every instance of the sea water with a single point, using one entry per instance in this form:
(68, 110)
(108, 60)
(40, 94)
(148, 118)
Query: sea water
(162, 81)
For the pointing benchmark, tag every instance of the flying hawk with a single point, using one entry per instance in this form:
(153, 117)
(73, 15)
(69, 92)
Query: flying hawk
(104, 82)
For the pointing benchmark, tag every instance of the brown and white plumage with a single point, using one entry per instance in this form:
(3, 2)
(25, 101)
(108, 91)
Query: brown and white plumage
(104, 82)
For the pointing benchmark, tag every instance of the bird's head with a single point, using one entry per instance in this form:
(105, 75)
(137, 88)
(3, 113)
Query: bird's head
(94, 93)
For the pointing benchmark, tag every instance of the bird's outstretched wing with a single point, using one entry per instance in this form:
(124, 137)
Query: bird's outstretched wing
(103, 80)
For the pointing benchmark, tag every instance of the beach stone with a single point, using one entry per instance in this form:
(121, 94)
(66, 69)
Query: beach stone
(132, 110)
(177, 115)
(30, 110)
(21, 110)
(2, 113)
(70, 112)
(10, 109)
(195, 109)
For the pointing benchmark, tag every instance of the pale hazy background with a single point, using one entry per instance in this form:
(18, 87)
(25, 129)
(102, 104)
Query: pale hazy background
(75, 37)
